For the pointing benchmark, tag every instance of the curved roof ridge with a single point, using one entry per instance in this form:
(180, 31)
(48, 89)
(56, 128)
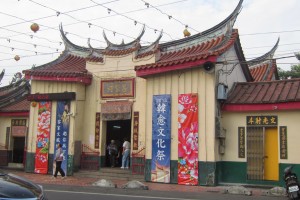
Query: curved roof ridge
(268, 55)
(68, 44)
(113, 46)
(146, 50)
(224, 27)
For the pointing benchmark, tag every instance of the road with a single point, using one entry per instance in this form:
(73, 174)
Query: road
(91, 193)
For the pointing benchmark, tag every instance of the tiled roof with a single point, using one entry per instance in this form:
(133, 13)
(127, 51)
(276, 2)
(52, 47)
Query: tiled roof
(265, 72)
(67, 67)
(278, 91)
(13, 98)
(23, 105)
(195, 50)
(204, 50)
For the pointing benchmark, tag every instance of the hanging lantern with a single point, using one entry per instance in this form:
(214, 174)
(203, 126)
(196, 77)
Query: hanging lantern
(33, 104)
(186, 33)
(17, 58)
(34, 27)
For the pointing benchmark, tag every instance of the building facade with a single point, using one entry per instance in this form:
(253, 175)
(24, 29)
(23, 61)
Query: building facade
(169, 99)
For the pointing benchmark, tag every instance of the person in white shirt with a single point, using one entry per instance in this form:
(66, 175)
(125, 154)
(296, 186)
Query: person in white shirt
(126, 154)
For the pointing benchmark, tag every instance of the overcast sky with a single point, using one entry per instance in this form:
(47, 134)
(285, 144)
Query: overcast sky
(260, 24)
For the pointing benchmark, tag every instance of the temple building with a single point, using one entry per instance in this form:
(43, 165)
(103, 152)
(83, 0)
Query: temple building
(194, 110)
(14, 121)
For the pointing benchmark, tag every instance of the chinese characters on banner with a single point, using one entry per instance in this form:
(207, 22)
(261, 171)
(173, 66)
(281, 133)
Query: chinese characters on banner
(161, 138)
(97, 130)
(62, 130)
(135, 131)
(188, 139)
(241, 142)
(283, 142)
(43, 135)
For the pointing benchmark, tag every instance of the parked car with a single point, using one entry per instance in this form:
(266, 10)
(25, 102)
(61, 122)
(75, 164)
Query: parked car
(16, 187)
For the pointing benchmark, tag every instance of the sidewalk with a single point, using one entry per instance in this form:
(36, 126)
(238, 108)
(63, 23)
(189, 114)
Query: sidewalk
(87, 181)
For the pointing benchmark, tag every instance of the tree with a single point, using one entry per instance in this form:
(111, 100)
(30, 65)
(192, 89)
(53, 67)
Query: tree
(293, 73)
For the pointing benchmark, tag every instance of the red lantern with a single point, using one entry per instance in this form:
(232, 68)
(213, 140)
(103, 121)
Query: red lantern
(17, 58)
(34, 27)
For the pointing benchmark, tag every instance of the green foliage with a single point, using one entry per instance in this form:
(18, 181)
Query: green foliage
(293, 73)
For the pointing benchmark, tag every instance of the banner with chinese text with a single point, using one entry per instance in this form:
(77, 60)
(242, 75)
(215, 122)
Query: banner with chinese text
(188, 139)
(62, 130)
(161, 138)
(43, 135)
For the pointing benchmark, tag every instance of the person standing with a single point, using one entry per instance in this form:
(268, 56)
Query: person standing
(59, 157)
(126, 154)
(113, 152)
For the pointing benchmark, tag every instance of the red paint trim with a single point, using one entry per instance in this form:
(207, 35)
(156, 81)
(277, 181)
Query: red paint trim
(84, 80)
(261, 107)
(16, 114)
(158, 70)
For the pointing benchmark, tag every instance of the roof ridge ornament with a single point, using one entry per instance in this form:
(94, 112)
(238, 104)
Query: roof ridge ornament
(68, 44)
(137, 40)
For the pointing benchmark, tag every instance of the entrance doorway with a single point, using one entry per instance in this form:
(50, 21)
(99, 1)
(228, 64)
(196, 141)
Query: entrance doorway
(18, 149)
(117, 130)
(262, 153)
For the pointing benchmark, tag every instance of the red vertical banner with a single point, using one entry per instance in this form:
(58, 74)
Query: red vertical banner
(43, 135)
(188, 139)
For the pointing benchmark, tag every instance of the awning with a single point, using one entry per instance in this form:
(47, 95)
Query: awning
(116, 110)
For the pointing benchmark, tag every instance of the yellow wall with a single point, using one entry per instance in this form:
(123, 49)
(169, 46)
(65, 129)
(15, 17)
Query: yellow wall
(231, 122)
(4, 123)
(121, 67)
(76, 108)
(182, 82)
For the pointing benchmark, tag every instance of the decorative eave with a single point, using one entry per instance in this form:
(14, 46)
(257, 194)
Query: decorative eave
(70, 66)
(122, 49)
(151, 49)
(264, 68)
(260, 96)
(199, 48)
(264, 58)
(242, 60)
(224, 28)
(189, 57)
(66, 68)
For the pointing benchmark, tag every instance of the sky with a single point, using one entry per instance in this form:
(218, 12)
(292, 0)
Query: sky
(260, 24)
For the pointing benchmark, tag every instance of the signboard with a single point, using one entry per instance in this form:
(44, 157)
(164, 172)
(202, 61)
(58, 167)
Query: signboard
(283, 142)
(117, 88)
(262, 120)
(18, 127)
(52, 96)
(241, 142)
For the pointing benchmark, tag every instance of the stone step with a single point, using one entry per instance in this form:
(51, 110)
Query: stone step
(110, 174)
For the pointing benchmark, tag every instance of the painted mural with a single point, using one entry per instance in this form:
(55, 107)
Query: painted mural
(62, 130)
(188, 139)
(43, 135)
(161, 138)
